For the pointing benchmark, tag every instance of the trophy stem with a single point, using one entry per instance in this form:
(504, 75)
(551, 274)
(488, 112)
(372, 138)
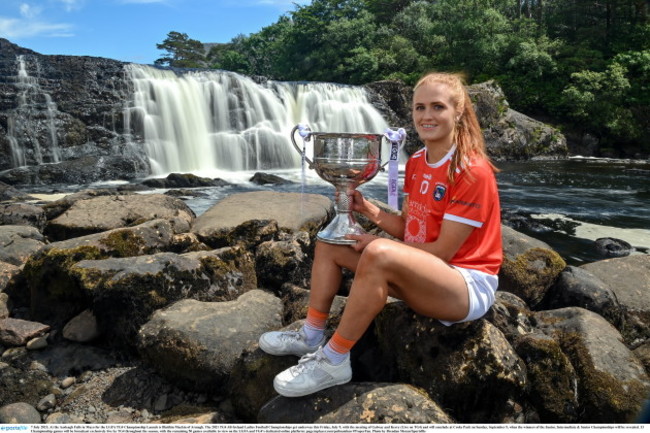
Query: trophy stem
(343, 223)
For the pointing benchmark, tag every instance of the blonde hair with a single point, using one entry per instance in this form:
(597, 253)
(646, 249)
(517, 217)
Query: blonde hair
(468, 136)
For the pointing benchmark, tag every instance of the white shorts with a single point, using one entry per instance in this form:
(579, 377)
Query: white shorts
(482, 289)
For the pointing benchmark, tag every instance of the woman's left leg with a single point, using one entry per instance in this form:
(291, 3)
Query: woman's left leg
(427, 284)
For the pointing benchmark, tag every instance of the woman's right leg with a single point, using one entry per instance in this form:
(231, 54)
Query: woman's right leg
(326, 276)
(326, 279)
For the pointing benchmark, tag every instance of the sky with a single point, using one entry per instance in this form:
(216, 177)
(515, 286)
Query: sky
(128, 30)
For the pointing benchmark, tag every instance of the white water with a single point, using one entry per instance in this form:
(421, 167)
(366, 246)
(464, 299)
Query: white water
(31, 99)
(210, 121)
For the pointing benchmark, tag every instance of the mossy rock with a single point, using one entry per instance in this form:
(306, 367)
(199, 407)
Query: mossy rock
(529, 275)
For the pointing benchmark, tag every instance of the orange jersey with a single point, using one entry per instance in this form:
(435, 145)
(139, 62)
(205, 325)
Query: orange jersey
(473, 199)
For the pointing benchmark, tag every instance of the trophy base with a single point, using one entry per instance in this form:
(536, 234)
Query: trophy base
(336, 231)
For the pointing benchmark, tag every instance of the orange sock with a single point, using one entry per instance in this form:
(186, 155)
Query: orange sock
(338, 348)
(316, 319)
(340, 344)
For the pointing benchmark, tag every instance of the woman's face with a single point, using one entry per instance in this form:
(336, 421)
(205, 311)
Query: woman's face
(434, 114)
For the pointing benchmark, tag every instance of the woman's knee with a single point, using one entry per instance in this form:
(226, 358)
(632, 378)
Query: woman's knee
(377, 254)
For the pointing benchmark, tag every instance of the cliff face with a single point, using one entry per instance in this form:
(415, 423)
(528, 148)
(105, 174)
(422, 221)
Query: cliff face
(59, 109)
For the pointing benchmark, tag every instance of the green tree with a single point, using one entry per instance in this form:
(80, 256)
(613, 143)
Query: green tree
(182, 52)
(598, 102)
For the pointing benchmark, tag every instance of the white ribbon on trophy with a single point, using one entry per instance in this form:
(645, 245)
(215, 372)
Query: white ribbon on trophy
(397, 139)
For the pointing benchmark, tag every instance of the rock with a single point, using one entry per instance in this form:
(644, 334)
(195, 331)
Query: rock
(286, 260)
(67, 359)
(510, 315)
(196, 344)
(18, 243)
(611, 247)
(19, 413)
(17, 332)
(55, 208)
(22, 214)
(22, 384)
(576, 287)
(187, 180)
(63, 418)
(126, 291)
(67, 382)
(612, 383)
(450, 363)
(268, 179)
(529, 267)
(629, 278)
(256, 217)
(4, 309)
(250, 385)
(47, 402)
(9, 193)
(55, 295)
(37, 343)
(7, 274)
(104, 213)
(357, 403)
(82, 328)
(512, 135)
(80, 170)
(551, 377)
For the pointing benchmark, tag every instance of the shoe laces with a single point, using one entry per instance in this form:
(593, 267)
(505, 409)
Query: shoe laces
(290, 336)
(308, 362)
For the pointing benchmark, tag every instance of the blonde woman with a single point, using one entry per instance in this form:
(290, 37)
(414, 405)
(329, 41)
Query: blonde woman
(446, 263)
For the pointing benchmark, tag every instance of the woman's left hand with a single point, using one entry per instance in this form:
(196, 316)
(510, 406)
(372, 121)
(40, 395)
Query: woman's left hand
(362, 241)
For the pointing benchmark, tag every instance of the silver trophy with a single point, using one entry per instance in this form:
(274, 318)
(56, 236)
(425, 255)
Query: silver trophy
(346, 160)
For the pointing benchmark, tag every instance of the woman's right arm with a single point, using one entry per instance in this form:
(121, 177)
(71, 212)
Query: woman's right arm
(393, 224)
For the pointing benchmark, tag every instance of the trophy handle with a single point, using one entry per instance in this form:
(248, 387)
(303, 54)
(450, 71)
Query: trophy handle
(393, 136)
(295, 145)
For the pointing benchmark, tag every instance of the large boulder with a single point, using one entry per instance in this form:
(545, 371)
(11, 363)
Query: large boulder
(103, 213)
(196, 344)
(530, 267)
(450, 363)
(629, 278)
(53, 295)
(612, 382)
(357, 403)
(256, 217)
(124, 292)
(510, 135)
(552, 380)
(577, 287)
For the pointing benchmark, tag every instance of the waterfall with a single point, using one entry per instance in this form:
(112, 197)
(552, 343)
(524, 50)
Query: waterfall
(32, 100)
(216, 120)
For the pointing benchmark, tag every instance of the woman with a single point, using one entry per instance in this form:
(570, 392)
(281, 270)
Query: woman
(445, 265)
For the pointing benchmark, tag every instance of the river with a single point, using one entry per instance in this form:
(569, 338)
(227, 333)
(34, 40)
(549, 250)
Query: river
(567, 204)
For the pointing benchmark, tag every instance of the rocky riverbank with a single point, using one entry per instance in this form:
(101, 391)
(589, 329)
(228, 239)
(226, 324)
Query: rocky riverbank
(118, 307)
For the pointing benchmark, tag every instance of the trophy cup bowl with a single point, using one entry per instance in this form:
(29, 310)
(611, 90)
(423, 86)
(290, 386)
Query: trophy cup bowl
(346, 160)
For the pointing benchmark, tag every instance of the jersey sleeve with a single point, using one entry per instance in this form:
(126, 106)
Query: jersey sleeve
(472, 196)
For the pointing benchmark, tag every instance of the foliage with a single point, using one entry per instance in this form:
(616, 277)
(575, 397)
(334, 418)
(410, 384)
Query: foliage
(583, 62)
(182, 52)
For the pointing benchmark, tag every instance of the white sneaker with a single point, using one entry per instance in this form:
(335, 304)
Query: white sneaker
(281, 343)
(313, 373)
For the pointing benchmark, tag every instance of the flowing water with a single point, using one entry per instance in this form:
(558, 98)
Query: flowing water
(202, 122)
